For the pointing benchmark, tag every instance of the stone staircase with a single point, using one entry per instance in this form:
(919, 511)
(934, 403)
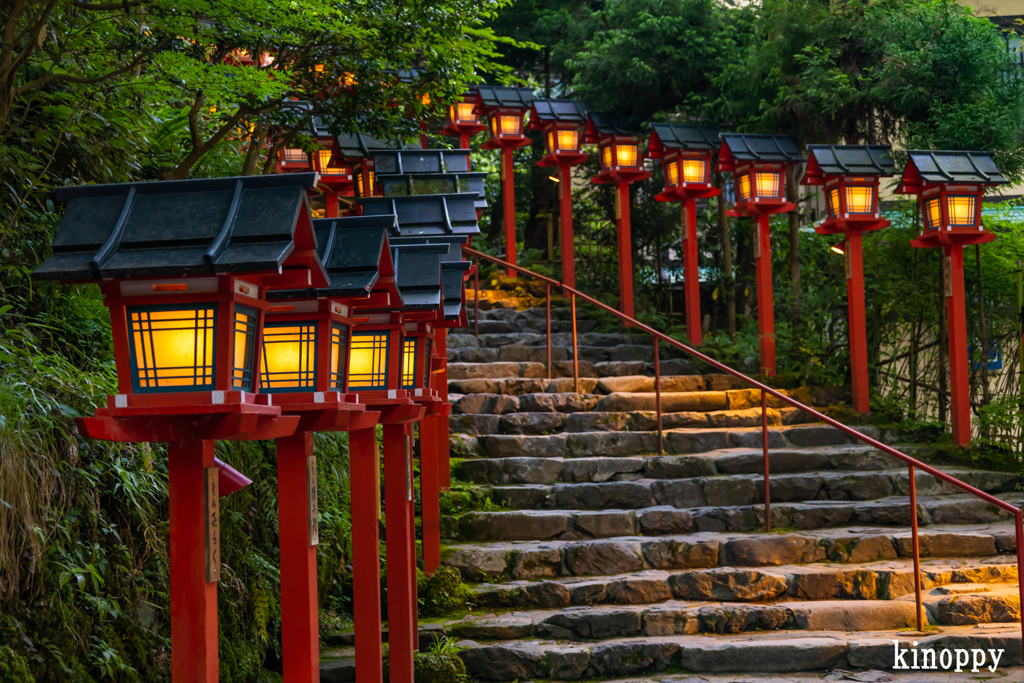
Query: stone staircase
(594, 557)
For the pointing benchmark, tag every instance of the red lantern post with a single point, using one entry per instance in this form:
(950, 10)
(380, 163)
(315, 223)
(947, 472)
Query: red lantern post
(505, 109)
(462, 120)
(758, 164)
(850, 176)
(562, 123)
(621, 164)
(686, 153)
(950, 186)
(187, 308)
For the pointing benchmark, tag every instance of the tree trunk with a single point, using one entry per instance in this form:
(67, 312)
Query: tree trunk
(792, 189)
(252, 154)
(730, 281)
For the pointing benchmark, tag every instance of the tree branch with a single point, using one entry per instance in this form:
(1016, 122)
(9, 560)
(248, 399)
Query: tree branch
(68, 78)
(100, 6)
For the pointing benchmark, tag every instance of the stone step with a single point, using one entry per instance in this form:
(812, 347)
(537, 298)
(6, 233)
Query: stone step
(547, 559)
(538, 423)
(512, 371)
(767, 653)
(656, 520)
(814, 488)
(526, 470)
(626, 443)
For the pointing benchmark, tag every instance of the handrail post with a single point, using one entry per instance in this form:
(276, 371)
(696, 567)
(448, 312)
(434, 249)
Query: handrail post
(575, 349)
(476, 297)
(549, 331)
(657, 396)
(916, 548)
(1019, 520)
(764, 451)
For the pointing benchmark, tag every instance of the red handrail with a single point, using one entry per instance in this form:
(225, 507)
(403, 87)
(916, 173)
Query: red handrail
(913, 463)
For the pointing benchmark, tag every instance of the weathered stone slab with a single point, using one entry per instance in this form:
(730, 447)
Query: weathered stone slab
(639, 589)
(937, 544)
(696, 440)
(626, 659)
(853, 584)
(516, 445)
(520, 497)
(511, 470)
(607, 523)
(474, 563)
(505, 627)
(675, 554)
(732, 490)
(536, 563)
(737, 618)
(957, 610)
(764, 655)
(600, 422)
(853, 615)
(664, 520)
(556, 402)
(773, 551)
(602, 557)
(529, 423)
(590, 625)
(727, 585)
(514, 525)
(599, 469)
(857, 485)
(612, 494)
(510, 662)
(474, 424)
(671, 402)
(679, 493)
(679, 467)
(611, 443)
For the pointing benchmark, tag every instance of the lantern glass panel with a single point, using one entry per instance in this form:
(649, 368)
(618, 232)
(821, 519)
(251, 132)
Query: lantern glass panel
(568, 140)
(933, 214)
(465, 112)
(294, 155)
(289, 356)
(961, 210)
(606, 157)
(368, 361)
(833, 201)
(769, 184)
(172, 346)
(626, 154)
(426, 363)
(860, 199)
(339, 357)
(695, 170)
(506, 125)
(409, 363)
(672, 173)
(743, 187)
(324, 164)
(245, 347)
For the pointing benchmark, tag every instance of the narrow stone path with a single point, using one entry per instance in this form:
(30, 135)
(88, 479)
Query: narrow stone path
(594, 557)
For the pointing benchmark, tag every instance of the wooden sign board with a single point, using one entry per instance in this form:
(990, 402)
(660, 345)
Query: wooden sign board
(211, 496)
(313, 513)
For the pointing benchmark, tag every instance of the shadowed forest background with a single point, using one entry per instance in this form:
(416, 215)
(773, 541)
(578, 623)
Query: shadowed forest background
(97, 92)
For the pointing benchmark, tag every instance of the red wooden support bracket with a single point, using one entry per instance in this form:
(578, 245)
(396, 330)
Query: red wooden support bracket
(296, 502)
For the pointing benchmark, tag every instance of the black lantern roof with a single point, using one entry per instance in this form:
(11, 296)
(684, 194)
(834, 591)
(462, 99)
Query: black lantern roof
(767, 148)
(358, 146)
(397, 161)
(544, 112)
(180, 227)
(453, 270)
(669, 137)
(862, 160)
(601, 125)
(355, 253)
(428, 214)
(942, 166)
(434, 183)
(500, 96)
(418, 274)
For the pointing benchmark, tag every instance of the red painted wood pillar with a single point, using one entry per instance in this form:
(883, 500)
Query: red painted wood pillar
(765, 306)
(956, 316)
(565, 235)
(300, 631)
(194, 654)
(430, 510)
(857, 325)
(625, 249)
(463, 140)
(330, 204)
(401, 536)
(444, 466)
(691, 275)
(508, 199)
(364, 471)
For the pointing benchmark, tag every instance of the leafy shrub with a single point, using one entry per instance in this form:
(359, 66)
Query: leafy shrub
(14, 667)
(442, 593)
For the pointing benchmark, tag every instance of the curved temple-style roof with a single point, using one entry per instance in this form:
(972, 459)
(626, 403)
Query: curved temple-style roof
(947, 166)
(355, 253)
(181, 227)
(434, 183)
(545, 112)
(737, 148)
(490, 97)
(400, 161)
(418, 274)
(668, 137)
(854, 160)
(453, 270)
(355, 147)
(600, 125)
(427, 215)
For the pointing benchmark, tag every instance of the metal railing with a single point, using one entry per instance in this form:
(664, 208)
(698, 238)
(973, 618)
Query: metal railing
(912, 464)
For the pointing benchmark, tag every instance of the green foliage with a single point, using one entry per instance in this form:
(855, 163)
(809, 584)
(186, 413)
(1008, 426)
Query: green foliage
(14, 667)
(442, 593)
